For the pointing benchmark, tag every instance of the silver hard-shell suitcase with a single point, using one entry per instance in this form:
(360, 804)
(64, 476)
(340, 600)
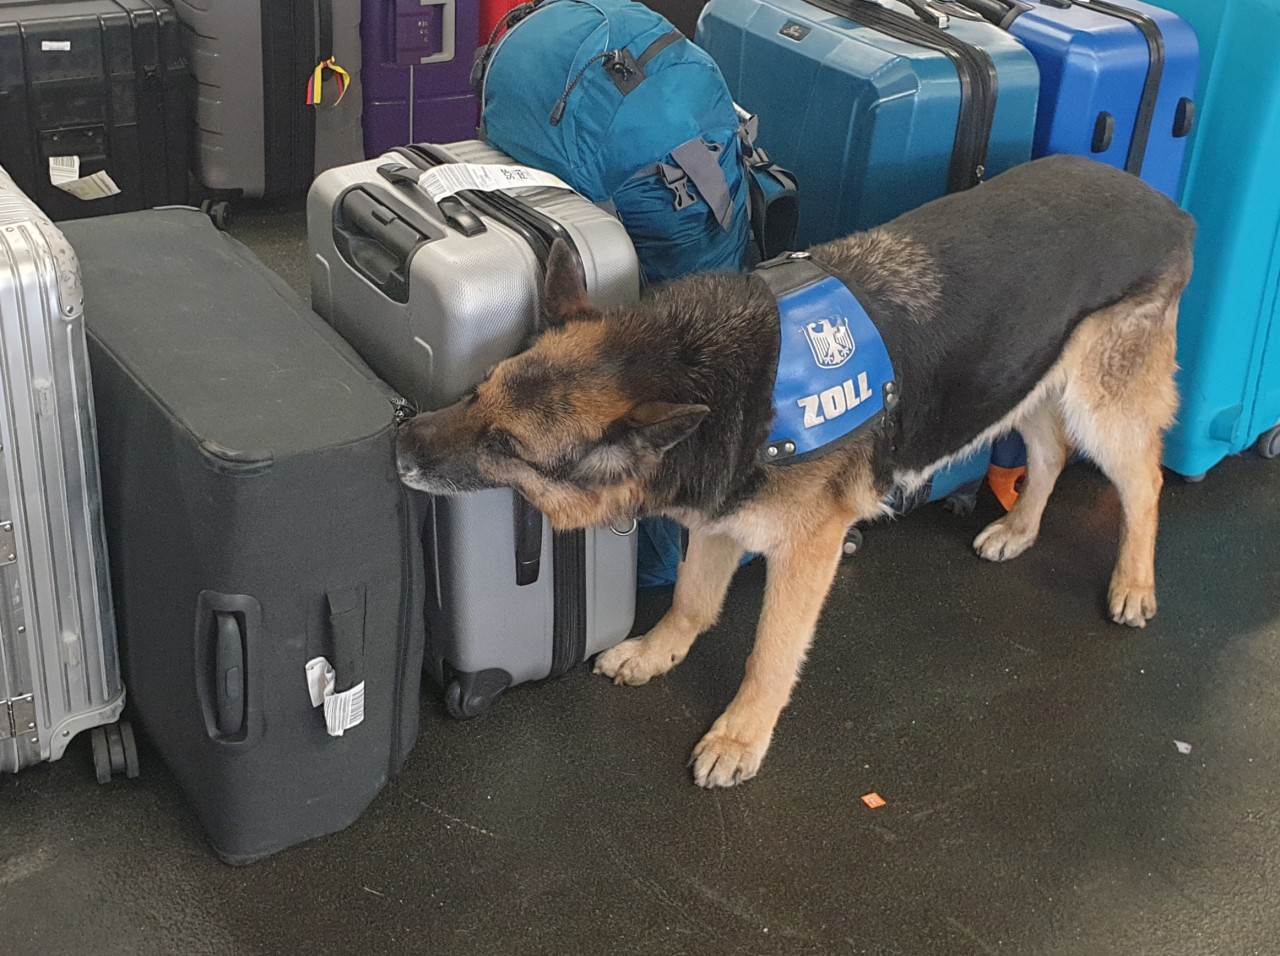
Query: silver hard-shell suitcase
(59, 674)
(432, 296)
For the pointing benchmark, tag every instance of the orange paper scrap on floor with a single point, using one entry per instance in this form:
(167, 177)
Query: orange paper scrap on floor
(873, 800)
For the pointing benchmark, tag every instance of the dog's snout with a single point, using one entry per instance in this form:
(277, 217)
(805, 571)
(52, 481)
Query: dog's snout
(435, 452)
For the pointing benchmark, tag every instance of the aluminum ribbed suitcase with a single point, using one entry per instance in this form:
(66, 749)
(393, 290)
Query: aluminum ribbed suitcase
(431, 299)
(59, 673)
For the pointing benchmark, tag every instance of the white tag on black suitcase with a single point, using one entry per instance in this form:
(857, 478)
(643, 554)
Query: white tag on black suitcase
(59, 673)
(432, 295)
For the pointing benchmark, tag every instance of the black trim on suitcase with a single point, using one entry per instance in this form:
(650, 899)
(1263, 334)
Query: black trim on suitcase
(568, 548)
(979, 85)
(1150, 88)
(289, 38)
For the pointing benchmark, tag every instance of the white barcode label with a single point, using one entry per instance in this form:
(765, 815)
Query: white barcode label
(63, 169)
(341, 711)
(446, 180)
(64, 172)
(55, 46)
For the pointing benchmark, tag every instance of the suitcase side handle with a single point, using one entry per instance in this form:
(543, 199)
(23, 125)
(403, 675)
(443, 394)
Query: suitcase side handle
(528, 536)
(226, 635)
(229, 675)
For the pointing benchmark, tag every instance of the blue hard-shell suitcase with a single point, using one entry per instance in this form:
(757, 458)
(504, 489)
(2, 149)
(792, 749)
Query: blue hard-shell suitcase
(1229, 323)
(1117, 81)
(876, 109)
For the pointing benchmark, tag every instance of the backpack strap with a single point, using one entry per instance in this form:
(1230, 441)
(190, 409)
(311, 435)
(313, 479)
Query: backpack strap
(698, 163)
(774, 200)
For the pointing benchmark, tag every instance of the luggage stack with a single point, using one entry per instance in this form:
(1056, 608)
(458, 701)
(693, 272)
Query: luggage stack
(277, 591)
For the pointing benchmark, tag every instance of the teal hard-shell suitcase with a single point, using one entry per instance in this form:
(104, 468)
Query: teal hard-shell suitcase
(1229, 323)
(876, 109)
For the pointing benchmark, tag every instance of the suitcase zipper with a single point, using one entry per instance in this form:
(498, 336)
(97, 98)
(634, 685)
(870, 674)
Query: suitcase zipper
(568, 548)
(977, 74)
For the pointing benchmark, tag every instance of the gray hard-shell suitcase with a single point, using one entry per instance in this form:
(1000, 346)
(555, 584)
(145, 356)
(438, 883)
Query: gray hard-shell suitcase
(252, 59)
(58, 667)
(267, 581)
(431, 297)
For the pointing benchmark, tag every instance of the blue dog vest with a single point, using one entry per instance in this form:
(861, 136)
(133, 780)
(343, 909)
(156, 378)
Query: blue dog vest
(835, 375)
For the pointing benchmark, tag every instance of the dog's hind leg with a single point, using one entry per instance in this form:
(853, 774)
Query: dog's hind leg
(701, 585)
(1118, 403)
(800, 571)
(1046, 440)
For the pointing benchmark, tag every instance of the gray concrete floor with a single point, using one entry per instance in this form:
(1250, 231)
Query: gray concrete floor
(1036, 801)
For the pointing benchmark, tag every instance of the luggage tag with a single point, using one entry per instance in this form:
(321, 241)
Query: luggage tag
(315, 85)
(341, 711)
(442, 181)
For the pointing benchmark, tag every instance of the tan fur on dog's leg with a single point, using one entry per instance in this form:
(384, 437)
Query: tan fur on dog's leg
(701, 584)
(1132, 595)
(1117, 406)
(799, 576)
(1042, 432)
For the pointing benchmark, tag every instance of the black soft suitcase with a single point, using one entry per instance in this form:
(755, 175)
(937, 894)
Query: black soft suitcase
(101, 88)
(256, 525)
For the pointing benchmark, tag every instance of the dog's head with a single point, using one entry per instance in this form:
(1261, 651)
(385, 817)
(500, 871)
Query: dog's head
(562, 422)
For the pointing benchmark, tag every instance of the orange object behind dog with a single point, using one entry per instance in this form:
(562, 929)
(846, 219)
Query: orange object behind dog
(873, 801)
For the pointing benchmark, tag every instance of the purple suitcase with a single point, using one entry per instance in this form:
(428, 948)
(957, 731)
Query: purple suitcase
(417, 71)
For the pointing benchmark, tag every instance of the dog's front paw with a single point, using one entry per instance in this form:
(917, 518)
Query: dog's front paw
(635, 662)
(1003, 539)
(725, 759)
(1132, 604)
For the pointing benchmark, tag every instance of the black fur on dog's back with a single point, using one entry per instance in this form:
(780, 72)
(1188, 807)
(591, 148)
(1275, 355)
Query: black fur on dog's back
(975, 295)
(1016, 264)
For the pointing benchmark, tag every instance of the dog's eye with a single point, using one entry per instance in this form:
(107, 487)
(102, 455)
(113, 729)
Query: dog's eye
(498, 442)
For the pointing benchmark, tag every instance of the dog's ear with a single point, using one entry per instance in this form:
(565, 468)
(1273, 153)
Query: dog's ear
(658, 426)
(564, 292)
(636, 443)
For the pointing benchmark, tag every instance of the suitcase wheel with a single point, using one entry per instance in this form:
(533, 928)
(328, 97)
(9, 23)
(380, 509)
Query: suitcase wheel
(852, 542)
(115, 751)
(962, 503)
(1269, 444)
(219, 211)
(472, 694)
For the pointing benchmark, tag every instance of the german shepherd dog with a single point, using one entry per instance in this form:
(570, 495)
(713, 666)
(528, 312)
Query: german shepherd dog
(1044, 300)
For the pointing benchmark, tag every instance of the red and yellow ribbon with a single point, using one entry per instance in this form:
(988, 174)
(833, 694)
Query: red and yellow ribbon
(315, 85)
